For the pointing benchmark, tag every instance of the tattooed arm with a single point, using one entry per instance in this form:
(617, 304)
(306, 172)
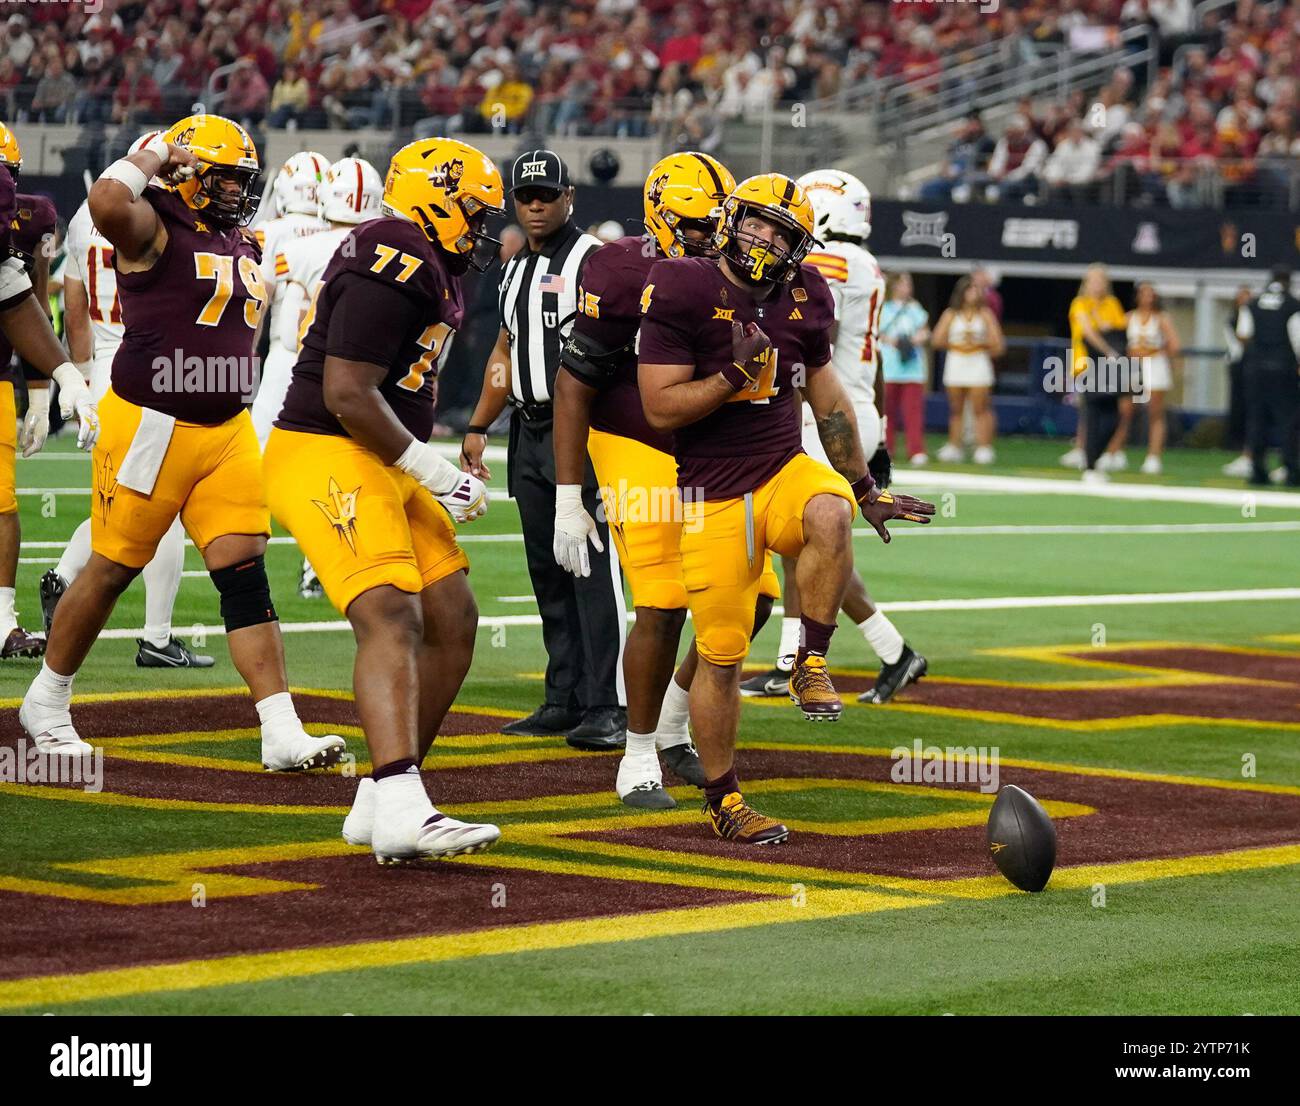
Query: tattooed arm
(837, 426)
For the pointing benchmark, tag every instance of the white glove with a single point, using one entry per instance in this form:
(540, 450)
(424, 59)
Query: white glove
(464, 496)
(573, 527)
(74, 400)
(36, 426)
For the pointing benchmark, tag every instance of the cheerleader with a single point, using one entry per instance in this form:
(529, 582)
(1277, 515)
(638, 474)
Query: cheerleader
(1154, 343)
(972, 337)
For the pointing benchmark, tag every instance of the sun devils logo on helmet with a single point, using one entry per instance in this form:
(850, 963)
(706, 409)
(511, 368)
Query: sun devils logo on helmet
(655, 192)
(185, 137)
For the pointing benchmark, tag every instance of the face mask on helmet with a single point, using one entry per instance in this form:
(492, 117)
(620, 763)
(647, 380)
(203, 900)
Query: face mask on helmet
(476, 246)
(702, 246)
(229, 195)
(757, 259)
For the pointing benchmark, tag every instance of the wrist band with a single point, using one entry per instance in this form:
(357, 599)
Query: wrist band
(862, 486)
(127, 173)
(735, 375)
(477, 430)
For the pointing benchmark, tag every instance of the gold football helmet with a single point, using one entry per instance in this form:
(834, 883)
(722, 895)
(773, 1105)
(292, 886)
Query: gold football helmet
(225, 154)
(778, 199)
(10, 153)
(685, 190)
(448, 189)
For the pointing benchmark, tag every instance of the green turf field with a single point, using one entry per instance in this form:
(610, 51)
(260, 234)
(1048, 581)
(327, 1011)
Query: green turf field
(1167, 731)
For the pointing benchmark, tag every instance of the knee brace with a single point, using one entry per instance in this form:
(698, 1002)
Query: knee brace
(245, 594)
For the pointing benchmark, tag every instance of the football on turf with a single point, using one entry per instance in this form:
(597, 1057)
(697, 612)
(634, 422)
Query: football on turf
(1022, 839)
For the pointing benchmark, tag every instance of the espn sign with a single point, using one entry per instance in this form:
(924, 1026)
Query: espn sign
(1039, 234)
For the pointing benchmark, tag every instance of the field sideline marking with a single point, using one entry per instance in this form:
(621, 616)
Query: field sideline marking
(820, 903)
(918, 606)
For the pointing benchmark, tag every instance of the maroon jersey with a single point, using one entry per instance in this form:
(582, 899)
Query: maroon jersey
(688, 309)
(33, 220)
(386, 298)
(609, 312)
(187, 349)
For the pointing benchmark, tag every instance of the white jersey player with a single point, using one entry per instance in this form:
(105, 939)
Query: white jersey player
(295, 192)
(842, 207)
(350, 194)
(842, 223)
(94, 326)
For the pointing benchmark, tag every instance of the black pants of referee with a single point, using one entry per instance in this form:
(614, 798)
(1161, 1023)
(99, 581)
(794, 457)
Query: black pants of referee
(1273, 414)
(582, 618)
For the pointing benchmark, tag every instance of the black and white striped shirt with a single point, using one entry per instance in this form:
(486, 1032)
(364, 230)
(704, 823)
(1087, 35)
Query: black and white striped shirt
(539, 292)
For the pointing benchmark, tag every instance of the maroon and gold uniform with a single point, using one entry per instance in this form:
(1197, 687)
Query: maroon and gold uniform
(186, 355)
(744, 477)
(634, 463)
(32, 220)
(387, 298)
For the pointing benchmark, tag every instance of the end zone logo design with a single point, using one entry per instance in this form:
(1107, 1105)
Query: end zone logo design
(341, 512)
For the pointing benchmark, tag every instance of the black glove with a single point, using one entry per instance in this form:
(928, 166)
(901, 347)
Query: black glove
(880, 467)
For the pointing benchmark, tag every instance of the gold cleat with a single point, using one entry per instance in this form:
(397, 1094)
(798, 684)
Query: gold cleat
(811, 688)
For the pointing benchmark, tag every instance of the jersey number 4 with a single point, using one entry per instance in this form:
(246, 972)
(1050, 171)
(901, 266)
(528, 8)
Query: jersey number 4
(221, 269)
(764, 386)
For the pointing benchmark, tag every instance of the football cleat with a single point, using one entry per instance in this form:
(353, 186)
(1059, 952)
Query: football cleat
(300, 752)
(52, 588)
(640, 783)
(359, 825)
(407, 840)
(811, 688)
(548, 720)
(20, 643)
(684, 762)
(770, 685)
(309, 585)
(171, 655)
(892, 678)
(736, 820)
(602, 729)
(52, 732)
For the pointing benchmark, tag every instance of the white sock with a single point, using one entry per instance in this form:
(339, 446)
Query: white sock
(8, 617)
(402, 795)
(639, 744)
(674, 717)
(162, 580)
(789, 644)
(50, 690)
(883, 637)
(75, 554)
(277, 713)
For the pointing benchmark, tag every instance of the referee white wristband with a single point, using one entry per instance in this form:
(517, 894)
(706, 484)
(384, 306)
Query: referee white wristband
(429, 467)
(127, 173)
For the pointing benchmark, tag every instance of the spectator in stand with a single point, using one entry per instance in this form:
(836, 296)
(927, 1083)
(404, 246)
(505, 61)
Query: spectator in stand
(18, 45)
(1016, 162)
(904, 330)
(964, 164)
(1232, 152)
(56, 92)
(137, 100)
(290, 99)
(1127, 172)
(505, 105)
(1072, 167)
(684, 45)
(246, 94)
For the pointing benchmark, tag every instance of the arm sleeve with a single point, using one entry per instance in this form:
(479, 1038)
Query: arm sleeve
(369, 320)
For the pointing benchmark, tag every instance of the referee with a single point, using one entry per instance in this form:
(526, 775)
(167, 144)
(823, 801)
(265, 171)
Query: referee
(1269, 328)
(583, 619)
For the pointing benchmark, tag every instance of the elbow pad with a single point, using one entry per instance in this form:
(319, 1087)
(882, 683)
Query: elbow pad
(14, 282)
(590, 361)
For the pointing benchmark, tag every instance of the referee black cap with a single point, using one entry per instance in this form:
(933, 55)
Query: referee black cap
(540, 168)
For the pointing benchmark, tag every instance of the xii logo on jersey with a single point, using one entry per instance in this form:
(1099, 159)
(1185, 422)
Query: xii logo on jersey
(341, 512)
(724, 313)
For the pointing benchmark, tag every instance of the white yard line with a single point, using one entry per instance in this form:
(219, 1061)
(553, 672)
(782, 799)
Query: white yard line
(1011, 602)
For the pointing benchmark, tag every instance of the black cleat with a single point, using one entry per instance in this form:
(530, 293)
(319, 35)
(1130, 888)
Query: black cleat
(548, 720)
(649, 796)
(684, 762)
(171, 655)
(52, 588)
(601, 730)
(909, 668)
(770, 685)
(20, 643)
